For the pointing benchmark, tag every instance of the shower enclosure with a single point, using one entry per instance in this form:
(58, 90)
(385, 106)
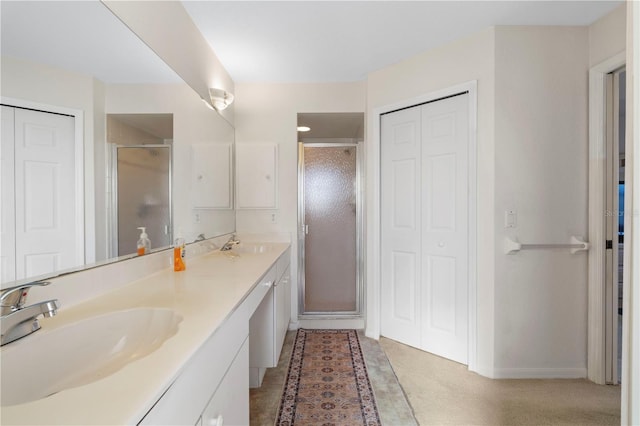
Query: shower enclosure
(330, 214)
(143, 195)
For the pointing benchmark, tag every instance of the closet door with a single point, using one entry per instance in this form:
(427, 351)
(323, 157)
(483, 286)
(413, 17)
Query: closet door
(445, 227)
(424, 212)
(401, 232)
(45, 191)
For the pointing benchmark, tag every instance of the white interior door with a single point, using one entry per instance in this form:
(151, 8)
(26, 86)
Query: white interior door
(45, 205)
(425, 227)
(614, 223)
(400, 215)
(445, 227)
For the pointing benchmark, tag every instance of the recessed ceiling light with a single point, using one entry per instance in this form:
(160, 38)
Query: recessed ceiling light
(303, 128)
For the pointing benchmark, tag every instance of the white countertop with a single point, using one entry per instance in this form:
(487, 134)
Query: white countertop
(210, 289)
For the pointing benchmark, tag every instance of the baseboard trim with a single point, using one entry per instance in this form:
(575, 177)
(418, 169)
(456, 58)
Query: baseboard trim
(343, 323)
(540, 373)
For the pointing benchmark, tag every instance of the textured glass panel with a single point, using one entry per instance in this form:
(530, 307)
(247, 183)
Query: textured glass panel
(143, 196)
(330, 214)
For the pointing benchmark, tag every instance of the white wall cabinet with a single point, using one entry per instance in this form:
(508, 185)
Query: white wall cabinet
(256, 176)
(212, 184)
(269, 323)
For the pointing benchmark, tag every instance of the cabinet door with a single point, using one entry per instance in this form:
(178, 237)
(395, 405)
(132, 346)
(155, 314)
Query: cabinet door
(229, 405)
(212, 184)
(282, 311)
(261, 334)
(256, 175)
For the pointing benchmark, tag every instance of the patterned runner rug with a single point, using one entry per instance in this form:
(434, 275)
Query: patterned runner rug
(327, 382)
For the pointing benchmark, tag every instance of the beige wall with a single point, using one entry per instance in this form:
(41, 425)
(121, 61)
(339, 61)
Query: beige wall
(267, 113)
(468, 59)
(541, 172)
(607, 36)
(532, 157)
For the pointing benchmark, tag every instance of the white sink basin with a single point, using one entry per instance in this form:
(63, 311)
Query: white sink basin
(253, 248)
(47, 362)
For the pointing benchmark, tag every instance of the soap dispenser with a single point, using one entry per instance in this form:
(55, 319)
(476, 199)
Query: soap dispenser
(178, 253)
(144, 244)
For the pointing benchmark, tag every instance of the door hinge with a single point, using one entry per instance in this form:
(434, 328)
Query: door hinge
(608, 244)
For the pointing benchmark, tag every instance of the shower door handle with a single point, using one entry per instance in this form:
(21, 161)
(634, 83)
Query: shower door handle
(305, 229)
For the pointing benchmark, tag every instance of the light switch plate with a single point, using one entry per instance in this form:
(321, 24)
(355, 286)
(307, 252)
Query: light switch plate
(510, 218)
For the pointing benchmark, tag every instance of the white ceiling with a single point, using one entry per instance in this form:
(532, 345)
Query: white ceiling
(81, 36)
(274, 41)
(335, 41)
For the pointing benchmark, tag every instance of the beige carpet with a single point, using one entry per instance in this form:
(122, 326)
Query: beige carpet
(443, 392)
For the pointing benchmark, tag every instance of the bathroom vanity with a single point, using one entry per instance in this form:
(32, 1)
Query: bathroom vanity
(194, 367)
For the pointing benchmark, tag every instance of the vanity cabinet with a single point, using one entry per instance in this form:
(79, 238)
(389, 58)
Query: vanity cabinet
(225, 408)
(282, 309)
(269, 323)
(215, 380)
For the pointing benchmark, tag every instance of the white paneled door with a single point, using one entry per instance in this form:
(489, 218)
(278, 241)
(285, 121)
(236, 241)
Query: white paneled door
(425, 227)
(400, 214)
(44, 204)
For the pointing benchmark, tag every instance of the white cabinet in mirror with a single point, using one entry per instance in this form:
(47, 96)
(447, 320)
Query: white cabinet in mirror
(76, 62)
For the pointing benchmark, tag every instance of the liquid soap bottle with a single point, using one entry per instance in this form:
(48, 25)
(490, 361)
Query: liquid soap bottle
(144, 244)
(178, 254)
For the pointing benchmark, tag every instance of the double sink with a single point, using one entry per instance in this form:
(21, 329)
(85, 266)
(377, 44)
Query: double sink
(82, 352)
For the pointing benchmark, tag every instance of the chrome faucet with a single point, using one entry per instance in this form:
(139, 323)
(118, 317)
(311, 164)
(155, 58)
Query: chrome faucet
(229, 244)
(17, 320)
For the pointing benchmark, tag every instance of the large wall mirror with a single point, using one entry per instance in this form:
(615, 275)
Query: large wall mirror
(76, 87)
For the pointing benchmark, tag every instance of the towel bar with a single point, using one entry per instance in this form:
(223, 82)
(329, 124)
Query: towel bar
(513, 246)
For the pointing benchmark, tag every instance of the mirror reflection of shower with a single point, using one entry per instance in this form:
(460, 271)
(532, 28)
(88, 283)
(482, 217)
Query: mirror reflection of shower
(141, 148)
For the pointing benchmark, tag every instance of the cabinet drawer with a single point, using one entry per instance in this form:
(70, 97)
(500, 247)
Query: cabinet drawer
(229, 405)
(259, 292)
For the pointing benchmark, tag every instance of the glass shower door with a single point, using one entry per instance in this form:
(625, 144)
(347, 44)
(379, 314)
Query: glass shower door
(143, 194)
(330, 212)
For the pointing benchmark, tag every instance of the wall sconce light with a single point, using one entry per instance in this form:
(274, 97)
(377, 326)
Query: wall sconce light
(220, 99)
